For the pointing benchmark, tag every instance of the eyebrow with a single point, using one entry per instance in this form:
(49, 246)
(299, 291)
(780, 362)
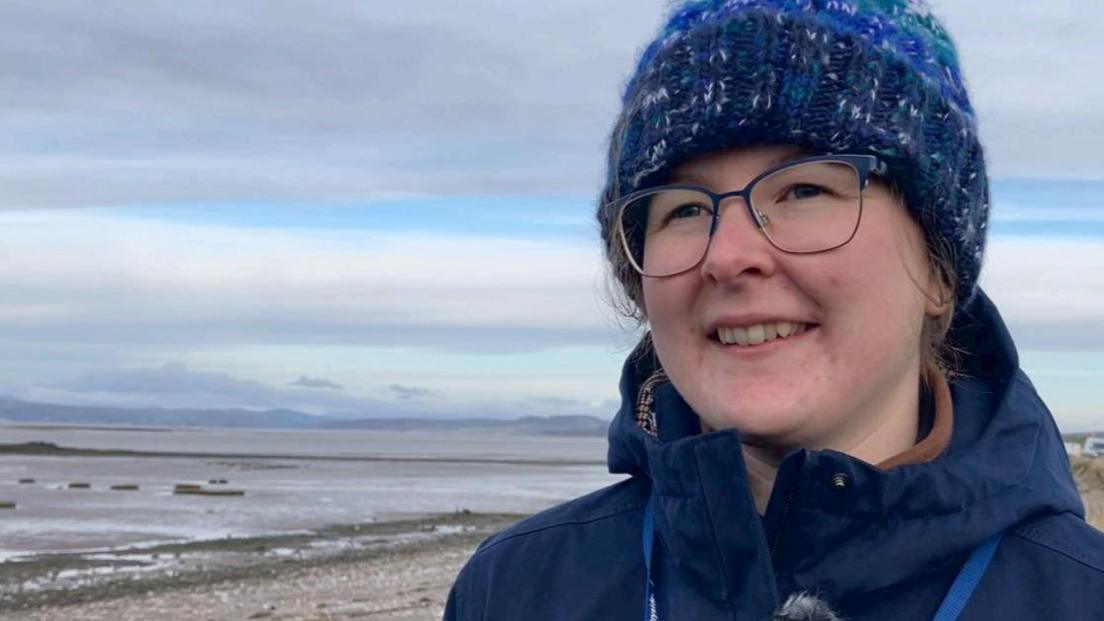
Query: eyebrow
(782, 159)
(775, 161)
(689, 178)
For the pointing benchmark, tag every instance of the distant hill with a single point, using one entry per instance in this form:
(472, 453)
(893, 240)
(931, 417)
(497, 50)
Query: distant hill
(537, 425)
(27, 412)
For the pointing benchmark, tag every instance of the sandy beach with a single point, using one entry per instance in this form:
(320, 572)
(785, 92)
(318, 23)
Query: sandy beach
(389, 570)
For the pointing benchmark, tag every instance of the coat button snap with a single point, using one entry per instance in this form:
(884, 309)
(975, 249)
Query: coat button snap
(839, 480)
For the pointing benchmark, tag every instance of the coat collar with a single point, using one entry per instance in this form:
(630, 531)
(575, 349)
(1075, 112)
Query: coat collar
(835, 523)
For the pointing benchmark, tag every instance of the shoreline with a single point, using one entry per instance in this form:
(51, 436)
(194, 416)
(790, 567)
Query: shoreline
(48, 449)
(391, 569)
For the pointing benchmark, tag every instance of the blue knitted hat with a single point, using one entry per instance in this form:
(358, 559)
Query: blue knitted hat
(833, 76)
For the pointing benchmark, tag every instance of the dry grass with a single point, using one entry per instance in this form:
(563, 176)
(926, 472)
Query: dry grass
(1097, 520)
(1094, 507)
(1089, 472)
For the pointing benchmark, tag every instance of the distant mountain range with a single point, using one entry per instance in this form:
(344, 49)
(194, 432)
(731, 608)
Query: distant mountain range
(538, 425)
(27, 412)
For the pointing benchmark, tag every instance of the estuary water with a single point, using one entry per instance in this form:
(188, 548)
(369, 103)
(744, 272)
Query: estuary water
(290, 479)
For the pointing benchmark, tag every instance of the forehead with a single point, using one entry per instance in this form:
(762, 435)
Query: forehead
(735, 167)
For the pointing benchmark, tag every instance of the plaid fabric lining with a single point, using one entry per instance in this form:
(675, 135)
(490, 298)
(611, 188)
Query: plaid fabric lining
(645, 403)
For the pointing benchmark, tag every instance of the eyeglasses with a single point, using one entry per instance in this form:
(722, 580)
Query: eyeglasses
(802, 207)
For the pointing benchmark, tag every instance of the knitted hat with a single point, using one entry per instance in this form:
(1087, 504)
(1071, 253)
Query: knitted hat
(833, 76)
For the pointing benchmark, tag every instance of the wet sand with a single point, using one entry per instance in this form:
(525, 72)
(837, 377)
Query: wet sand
(387, 570)
(50, 449)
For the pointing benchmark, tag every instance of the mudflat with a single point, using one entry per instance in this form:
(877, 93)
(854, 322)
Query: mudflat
(401, 569)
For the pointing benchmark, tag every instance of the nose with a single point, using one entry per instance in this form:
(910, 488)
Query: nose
(738, 247)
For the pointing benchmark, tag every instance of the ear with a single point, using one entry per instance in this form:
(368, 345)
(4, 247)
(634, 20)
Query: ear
(939, 293)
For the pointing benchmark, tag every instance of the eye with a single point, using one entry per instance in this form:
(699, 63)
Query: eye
(689, 210)
(805, 190)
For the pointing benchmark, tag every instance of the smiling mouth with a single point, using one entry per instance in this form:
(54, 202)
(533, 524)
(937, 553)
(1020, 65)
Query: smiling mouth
(746, 336)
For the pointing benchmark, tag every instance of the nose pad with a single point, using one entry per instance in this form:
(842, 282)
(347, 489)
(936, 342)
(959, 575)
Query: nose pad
(763, 219)
(738, 247)
(755, 220)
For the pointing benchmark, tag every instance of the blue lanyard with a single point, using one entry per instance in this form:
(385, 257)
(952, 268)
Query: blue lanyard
(964, 584)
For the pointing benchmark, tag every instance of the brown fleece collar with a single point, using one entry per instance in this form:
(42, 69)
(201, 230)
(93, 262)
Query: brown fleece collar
(940, 435)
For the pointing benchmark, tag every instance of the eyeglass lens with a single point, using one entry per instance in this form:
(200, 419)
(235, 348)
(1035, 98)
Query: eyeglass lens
(803, 208)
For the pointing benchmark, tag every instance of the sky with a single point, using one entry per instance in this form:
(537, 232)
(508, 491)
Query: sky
(338, 208)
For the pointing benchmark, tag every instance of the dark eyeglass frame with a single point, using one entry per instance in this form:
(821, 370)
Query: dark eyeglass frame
(865, 165)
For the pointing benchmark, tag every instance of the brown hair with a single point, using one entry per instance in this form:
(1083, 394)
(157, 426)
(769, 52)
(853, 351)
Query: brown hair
(937, 354)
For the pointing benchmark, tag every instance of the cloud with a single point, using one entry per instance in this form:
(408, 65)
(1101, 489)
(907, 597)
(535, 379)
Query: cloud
(1049, 290)
(175, 385)
(154, 288)
(169, 378)
(247, 100)
(306, 381)
(1037, 113)
(255, 101)
(161, 284)
(411, 392)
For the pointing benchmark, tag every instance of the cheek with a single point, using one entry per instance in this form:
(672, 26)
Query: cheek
(668, 303)
(859, 292)
(830, 282)
(873, 303)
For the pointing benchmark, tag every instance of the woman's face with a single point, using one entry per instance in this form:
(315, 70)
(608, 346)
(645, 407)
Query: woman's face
(860, 314)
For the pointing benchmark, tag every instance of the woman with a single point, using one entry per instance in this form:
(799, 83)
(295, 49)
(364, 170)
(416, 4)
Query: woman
(827, 420)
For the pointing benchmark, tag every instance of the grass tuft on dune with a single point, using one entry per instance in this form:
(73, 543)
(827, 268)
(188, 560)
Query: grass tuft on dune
(1089, 472)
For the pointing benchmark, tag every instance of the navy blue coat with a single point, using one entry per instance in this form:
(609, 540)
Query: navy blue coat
(885, 546)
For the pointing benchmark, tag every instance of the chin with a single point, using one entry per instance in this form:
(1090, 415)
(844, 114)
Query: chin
(775, 424)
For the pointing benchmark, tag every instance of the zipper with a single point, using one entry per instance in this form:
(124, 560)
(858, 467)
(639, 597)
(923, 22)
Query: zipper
(794, 476)
(790, 495)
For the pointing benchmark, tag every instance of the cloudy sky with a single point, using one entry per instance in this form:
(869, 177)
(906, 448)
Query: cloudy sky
(341, 208)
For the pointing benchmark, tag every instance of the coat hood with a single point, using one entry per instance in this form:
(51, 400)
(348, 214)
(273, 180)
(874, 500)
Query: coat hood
(836, 524)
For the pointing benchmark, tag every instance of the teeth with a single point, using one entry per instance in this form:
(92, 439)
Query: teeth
(729, 336)
(770, 331)
(759, 333)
